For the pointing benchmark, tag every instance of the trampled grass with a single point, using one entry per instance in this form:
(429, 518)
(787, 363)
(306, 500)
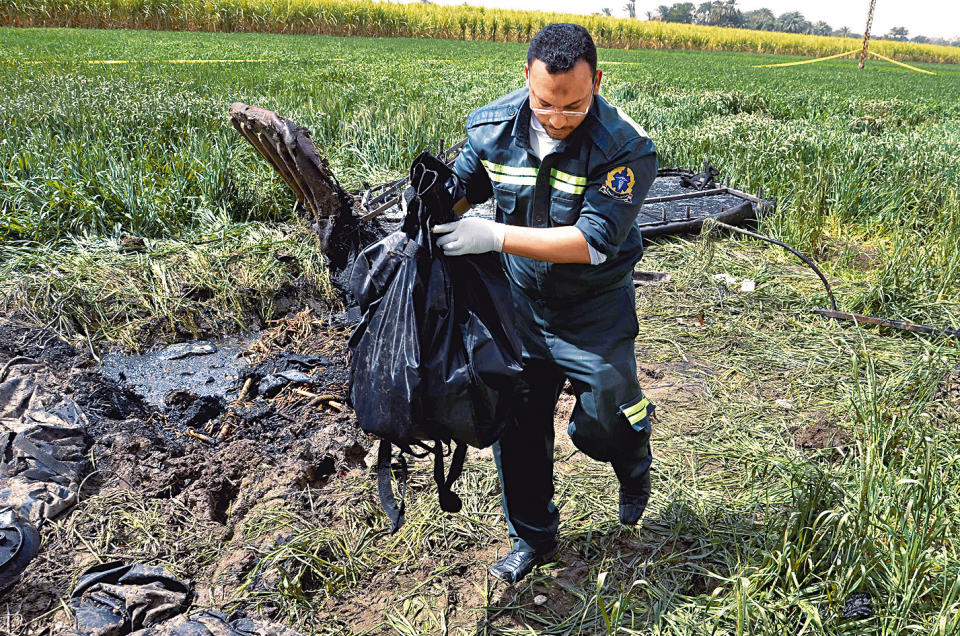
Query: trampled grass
(425, 20)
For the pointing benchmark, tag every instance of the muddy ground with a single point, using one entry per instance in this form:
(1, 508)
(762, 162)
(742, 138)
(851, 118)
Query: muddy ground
(191, 479)
(207, 464)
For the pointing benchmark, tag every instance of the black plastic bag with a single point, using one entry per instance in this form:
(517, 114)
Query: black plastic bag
(435, 356)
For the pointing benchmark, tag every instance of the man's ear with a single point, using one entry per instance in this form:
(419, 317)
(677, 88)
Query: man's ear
(596, 84)
(526, 72)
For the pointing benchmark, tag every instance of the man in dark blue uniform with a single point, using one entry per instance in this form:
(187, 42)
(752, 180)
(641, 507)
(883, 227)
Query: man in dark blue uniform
(569, 173)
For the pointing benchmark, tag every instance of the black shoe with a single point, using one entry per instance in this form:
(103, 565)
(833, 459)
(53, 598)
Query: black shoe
(632, 504)
(517, 564)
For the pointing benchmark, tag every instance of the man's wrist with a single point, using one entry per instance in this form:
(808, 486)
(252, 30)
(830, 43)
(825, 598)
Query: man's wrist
(499, 235)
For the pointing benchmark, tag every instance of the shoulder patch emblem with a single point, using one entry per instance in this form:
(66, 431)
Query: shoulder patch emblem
(619, 184)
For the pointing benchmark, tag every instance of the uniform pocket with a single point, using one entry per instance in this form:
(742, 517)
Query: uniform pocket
(565, 210)
(637, 413)
(506, 200)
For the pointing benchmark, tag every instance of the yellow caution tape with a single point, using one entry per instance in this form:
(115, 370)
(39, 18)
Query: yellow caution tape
(819, 59)
(831, 57)
(912, 68)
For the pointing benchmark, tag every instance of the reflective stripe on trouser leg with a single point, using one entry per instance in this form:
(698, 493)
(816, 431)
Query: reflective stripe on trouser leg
(594, 347)
(592, 343)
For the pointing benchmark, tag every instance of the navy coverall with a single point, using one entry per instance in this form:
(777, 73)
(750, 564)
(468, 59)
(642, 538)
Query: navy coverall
(576, 321)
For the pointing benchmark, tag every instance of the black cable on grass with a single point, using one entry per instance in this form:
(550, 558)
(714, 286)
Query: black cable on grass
(797, 253)
(833, 312)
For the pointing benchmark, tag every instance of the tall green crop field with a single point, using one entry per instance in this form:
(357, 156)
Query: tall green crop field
(425, 20)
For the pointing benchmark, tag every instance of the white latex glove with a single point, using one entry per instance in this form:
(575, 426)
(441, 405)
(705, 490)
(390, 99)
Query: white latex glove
(471, 235)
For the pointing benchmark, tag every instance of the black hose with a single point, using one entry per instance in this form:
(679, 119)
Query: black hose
(835, 313)
(802, 257)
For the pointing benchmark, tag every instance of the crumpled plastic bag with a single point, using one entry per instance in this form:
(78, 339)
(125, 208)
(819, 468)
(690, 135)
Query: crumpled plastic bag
(43, 445)
(435, 356)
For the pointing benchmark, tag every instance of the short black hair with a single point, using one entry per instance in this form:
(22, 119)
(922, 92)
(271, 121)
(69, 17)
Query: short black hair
(561, 45)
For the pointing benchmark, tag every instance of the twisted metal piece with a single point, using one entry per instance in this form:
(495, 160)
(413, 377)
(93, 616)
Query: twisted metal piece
(290, 151)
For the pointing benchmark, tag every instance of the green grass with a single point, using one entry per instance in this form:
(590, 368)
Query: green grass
(857, 160)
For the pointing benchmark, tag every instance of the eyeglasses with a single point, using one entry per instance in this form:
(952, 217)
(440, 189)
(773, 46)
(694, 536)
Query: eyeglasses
(566, 113)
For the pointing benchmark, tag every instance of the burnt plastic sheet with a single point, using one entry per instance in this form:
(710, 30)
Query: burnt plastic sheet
(116, 599)
(42, 460)
(213, 623)
(113, 599)
(42, 445)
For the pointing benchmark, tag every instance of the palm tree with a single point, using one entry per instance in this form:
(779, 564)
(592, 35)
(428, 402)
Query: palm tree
(898, 33)
(677, 12)
(822, 28)
(793, 22)
(725, 13)
(761, 19)
(703, 13)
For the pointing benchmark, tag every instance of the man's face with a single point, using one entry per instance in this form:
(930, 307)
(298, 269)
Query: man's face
(570, 91)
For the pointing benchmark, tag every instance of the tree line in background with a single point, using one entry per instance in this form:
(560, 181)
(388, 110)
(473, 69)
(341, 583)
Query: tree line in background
(725, 13)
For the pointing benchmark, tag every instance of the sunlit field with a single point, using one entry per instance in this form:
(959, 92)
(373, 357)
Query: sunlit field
(426, 20)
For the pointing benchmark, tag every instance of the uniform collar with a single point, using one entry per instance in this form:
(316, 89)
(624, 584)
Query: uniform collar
(521, 123)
